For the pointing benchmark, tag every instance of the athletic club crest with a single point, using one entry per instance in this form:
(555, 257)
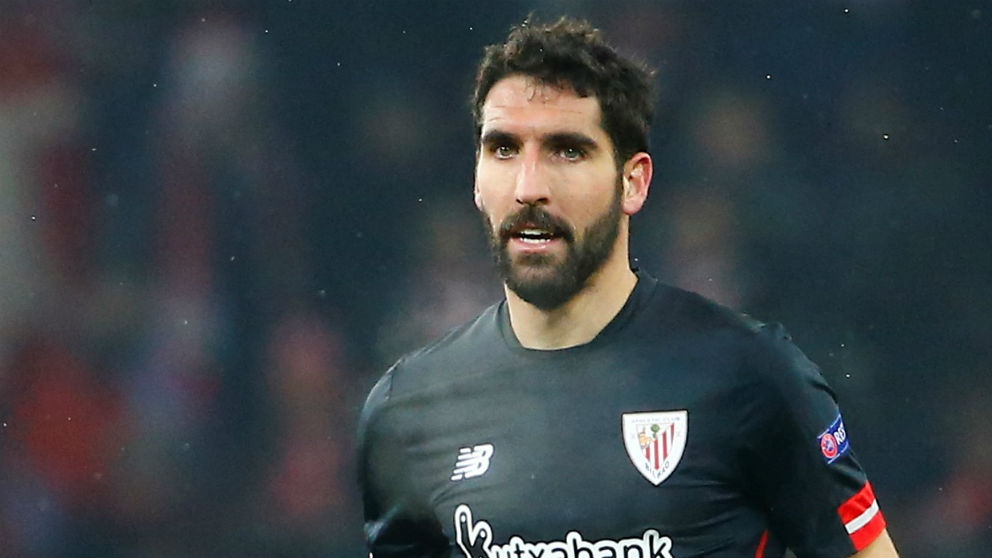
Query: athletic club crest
(655, 442)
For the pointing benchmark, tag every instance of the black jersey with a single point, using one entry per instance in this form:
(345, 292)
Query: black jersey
(682, 429)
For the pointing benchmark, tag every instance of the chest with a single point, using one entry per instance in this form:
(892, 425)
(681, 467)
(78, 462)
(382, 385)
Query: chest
(600, 448)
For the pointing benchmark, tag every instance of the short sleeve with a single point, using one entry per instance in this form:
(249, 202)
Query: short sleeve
(396, 521)
(797, 458)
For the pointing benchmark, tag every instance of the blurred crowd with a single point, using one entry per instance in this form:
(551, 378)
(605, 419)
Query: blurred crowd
(220, 222)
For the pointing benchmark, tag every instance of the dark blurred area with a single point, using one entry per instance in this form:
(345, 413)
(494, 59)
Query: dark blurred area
(221, 221)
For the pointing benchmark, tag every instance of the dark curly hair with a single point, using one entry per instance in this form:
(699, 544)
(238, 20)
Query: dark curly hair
(572, 53)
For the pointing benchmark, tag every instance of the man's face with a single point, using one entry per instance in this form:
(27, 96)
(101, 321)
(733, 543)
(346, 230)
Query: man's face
(548, 188)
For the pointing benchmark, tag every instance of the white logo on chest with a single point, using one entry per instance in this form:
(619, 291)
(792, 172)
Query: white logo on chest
(475, 538)
(472, 462)
(655, 442)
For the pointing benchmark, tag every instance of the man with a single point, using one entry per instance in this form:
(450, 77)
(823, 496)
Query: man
(595, 412)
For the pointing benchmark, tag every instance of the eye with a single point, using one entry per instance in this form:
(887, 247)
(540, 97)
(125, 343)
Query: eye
(571, 153)
(503, 151)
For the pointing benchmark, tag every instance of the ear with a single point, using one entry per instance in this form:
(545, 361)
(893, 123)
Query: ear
(637, 172)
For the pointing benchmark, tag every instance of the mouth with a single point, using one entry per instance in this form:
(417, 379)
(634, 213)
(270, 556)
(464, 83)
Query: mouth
(534, 227)
(529, 234)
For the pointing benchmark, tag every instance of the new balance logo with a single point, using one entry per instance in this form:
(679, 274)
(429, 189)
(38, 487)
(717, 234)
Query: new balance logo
(472, 462)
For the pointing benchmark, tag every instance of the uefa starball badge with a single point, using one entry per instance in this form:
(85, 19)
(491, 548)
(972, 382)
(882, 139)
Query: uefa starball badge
(833, 441)
(655, 442)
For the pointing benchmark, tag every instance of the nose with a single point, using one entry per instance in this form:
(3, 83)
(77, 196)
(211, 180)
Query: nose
(532, 184)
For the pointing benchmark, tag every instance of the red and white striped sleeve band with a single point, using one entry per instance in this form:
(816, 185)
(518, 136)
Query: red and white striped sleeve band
(862, 518)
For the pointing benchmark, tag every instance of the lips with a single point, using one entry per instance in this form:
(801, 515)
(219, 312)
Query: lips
(533, 235)
(534, 226)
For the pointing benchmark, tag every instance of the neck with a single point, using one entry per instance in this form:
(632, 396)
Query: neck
(579, 320)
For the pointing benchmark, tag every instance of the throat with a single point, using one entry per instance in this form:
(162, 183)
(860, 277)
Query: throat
(575, 323)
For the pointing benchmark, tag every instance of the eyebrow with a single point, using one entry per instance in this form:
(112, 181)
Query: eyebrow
(571, 139)
(555, 139)
(498, 136)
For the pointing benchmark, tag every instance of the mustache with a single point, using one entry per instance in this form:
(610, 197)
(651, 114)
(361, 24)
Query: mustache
(532, 216)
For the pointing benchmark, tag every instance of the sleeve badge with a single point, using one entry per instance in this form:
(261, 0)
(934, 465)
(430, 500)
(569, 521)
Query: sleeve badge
(833, 441)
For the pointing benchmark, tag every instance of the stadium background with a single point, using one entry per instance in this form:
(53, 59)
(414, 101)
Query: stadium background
(221, 221)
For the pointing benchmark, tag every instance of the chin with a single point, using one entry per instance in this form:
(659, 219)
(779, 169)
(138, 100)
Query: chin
(546, 288)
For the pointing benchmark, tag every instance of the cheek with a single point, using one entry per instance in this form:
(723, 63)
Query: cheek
(589, 199)
(485, 205)
(489, 196)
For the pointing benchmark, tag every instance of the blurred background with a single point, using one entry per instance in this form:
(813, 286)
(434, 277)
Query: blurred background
(221, 221)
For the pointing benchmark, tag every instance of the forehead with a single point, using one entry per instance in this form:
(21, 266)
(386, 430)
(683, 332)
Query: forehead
(519, 104)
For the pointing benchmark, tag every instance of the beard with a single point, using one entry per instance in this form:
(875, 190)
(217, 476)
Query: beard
(543, 280)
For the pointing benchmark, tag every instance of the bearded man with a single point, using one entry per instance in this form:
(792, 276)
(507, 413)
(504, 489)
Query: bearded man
(596, 412)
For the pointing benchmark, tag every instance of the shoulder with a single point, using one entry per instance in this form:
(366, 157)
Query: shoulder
(772, 382)
(758, 351)
(460, 349)
(685, 315)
